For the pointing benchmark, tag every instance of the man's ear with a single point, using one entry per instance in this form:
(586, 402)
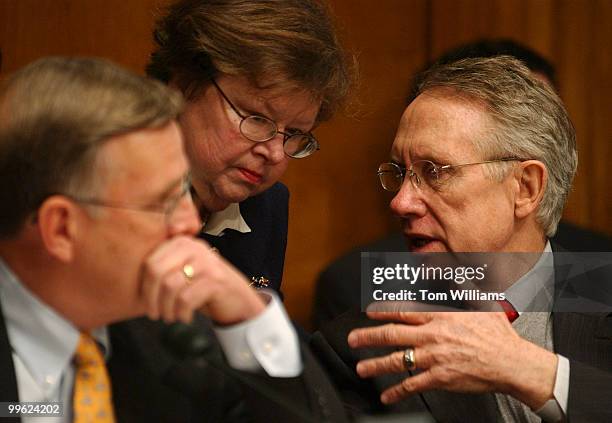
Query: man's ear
(58, 225)
(532, 177)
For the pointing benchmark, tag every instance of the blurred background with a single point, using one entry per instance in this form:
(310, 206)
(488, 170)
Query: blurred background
(336, 202)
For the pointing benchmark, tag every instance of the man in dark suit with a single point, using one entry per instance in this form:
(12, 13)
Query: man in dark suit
(483, 161)
(335, 290)
(96, 230)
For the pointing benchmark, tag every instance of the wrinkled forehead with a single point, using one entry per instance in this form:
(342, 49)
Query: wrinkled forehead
(441, 126)
(285, 102)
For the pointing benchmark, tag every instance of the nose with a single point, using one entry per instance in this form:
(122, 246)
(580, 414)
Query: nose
(409, 201)
(185, 219)
(272, 150)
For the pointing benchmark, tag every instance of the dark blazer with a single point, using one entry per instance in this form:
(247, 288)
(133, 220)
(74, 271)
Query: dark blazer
(584, 338)
(260, 252)
(151, 384)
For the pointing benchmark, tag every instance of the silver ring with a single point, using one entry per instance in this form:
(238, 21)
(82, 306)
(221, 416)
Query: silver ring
(409, 359)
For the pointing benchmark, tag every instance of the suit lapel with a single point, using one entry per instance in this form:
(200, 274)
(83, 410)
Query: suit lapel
(584, 337)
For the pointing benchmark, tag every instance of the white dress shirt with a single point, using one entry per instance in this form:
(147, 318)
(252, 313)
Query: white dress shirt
(43, 344)
(534, 292)
(228, 218)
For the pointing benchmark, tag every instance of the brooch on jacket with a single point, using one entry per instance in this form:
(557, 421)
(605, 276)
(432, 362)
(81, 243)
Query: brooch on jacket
(258, 282)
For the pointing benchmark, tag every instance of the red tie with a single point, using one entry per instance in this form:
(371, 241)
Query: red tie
(509, 309)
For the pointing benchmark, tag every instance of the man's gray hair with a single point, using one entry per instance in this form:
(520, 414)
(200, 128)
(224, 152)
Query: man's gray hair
(529, 120)
(55, 114)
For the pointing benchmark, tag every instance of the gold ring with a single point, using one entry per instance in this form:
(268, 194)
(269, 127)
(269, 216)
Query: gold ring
(188, 272)
(409, 360)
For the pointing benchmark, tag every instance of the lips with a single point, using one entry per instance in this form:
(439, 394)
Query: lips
(421, 243)
(250, 175)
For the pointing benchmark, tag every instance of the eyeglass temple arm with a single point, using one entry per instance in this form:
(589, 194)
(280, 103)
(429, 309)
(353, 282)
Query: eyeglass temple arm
(505, 159)
(226, 98)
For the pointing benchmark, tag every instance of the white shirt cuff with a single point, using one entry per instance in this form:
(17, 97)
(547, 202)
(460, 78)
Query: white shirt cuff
(555, 410)
(267, 342)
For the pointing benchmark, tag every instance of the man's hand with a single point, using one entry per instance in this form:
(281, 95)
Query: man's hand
(216, 289)
(461, 352)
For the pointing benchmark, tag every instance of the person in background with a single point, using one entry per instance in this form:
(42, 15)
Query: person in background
(258, 77)
(97, 229)
(337, 288)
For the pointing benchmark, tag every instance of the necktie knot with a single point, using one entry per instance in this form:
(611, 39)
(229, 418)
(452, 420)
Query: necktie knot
(509, 309)
(88, 353)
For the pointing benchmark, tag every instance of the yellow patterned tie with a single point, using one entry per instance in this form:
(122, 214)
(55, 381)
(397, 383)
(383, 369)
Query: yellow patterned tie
(92, 399)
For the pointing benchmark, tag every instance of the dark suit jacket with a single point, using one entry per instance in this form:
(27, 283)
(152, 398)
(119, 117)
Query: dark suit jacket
(584, 338)
(260, 252)
(150, 384)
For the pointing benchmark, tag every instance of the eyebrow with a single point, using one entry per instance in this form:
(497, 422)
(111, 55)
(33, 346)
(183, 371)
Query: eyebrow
(263, 104)
(433, 156)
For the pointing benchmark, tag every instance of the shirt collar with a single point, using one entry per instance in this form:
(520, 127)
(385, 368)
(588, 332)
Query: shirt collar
(43, 339)
(229, 218)
(534, 290)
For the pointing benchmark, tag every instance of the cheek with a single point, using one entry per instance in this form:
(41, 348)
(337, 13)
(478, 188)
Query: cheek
(460, 215)
(279, 169)
(144, 243)
(204, 138)
(274, 174)
(212, 152)
(136, 240)
(482, 223)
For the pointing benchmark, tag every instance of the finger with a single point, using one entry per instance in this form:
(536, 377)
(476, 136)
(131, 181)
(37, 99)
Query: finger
(171, 285)
(409, 386)
(403, 306)
(392, 363)
(167, 250)
(194, 297)
(165, 260)
(391, 334)
(154, 273)
(150, 293)
(183, 253)
(410, 317)
(155, 286)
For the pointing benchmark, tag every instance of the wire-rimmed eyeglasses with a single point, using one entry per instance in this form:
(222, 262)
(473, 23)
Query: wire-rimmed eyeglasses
(423, 172)
(167, 208)
(261, 129)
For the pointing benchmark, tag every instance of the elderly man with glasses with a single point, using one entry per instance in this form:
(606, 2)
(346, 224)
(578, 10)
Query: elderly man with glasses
(483, 161)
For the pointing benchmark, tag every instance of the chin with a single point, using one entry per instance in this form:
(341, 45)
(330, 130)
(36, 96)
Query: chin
(237, 193)
(217, 205)
(223, 197)
(235, 197)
